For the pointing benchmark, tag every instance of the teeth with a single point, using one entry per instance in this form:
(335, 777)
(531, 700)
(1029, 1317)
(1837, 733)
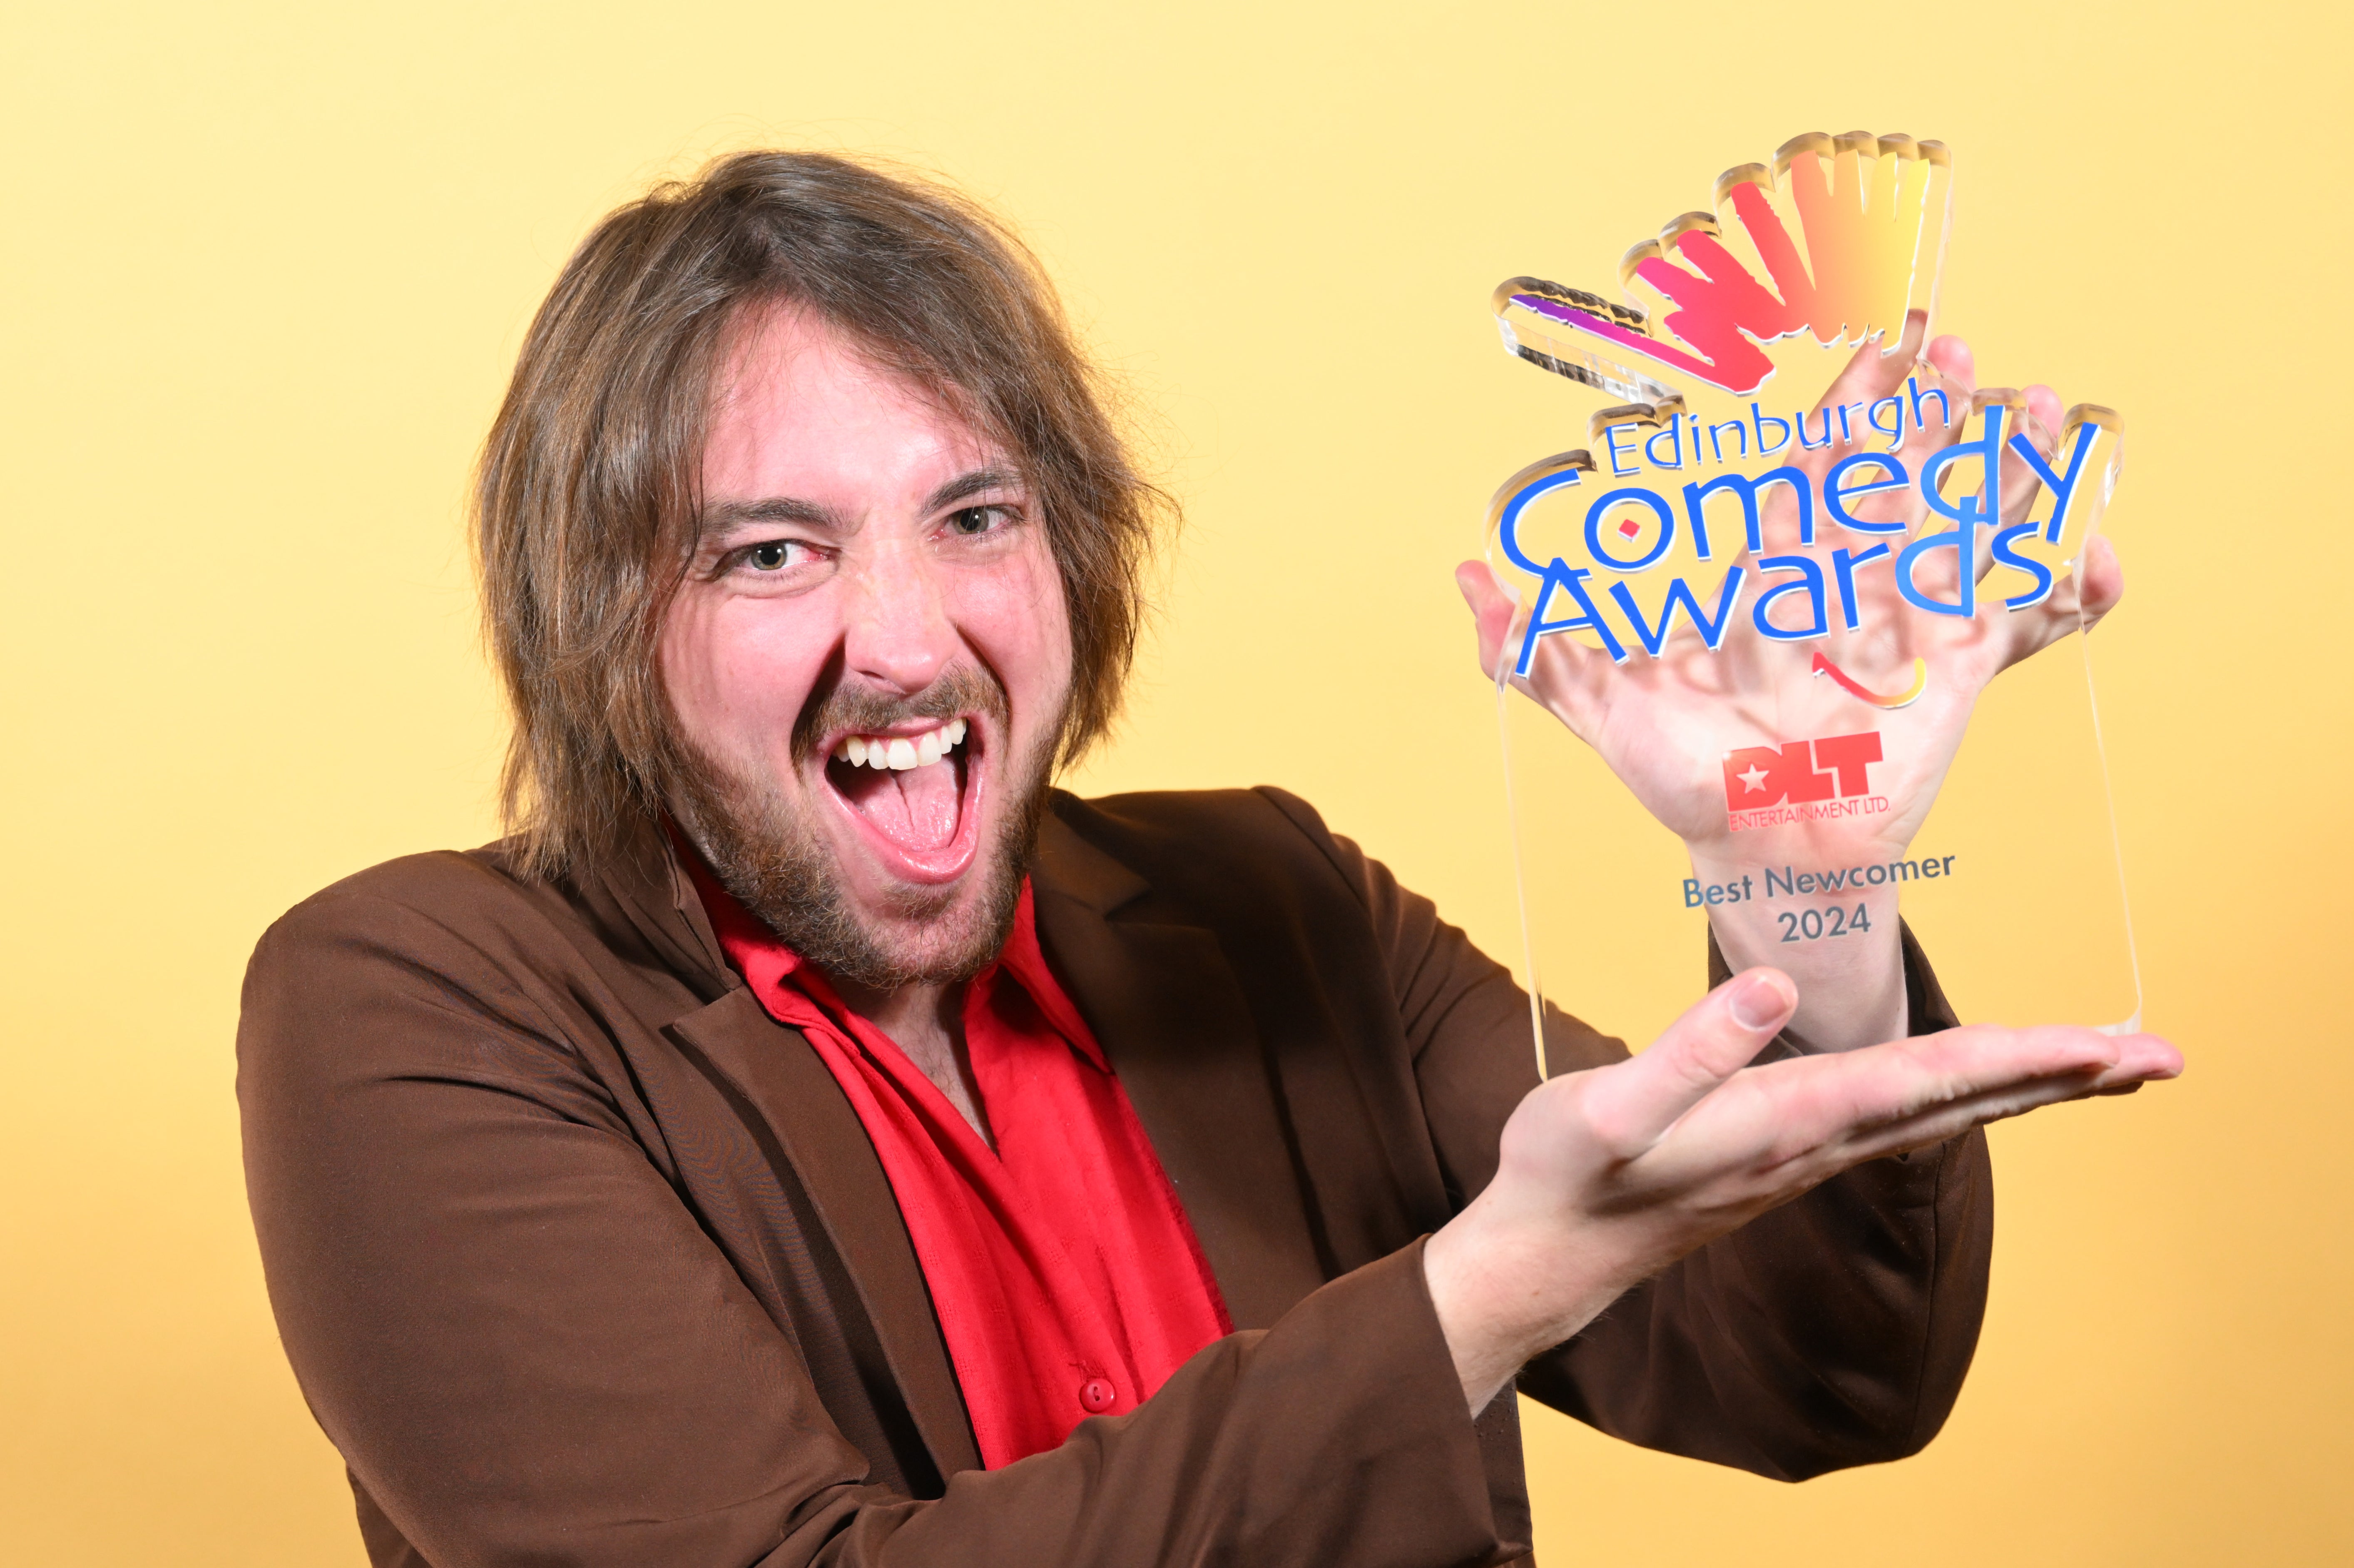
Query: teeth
(900, 752)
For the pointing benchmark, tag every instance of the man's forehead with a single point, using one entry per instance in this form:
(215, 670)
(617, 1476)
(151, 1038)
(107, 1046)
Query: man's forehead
(802, 403)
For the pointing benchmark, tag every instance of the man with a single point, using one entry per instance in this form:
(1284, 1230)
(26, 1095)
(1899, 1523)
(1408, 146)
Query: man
(810, 1138)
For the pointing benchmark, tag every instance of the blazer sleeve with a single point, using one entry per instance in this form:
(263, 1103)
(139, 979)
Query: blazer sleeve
(1832, 1331)
(529, 1352)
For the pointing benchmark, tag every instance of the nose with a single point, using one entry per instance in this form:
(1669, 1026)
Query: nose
(895, 627)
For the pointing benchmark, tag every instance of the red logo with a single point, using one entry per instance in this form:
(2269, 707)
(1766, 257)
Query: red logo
(1802, 781)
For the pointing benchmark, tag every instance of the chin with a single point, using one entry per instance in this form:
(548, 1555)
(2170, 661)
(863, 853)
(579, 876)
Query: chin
(936, 939)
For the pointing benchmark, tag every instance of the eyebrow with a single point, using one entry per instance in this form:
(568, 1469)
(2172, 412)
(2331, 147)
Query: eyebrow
(966, 485)
(731, 514)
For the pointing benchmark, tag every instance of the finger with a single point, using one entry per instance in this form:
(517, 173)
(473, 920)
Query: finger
(1950, 376)
(1954, 361)
(1870, 372)
(1985, 1068)
(2077, 602)
(1945, 1122)
(2146, 1059)
(1814, 1108)
(1908, 344)
(1566, 676)
(2044, 404)
(1869, 376)
(2020, 486)
(1631, 1106)
(2142, 1059)
(2103, 579)
(1491, 610)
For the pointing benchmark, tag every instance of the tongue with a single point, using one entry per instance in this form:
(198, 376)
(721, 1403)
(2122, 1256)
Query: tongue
(916, 809)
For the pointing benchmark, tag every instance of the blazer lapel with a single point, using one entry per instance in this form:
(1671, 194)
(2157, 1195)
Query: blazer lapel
(1172, 1021)
(774, 1070)
(777, 1072)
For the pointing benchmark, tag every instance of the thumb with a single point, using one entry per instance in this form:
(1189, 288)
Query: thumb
(1632, 1104)
(1491, 610)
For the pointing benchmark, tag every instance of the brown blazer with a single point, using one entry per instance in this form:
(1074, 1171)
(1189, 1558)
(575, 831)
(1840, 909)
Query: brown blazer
(580, 1258)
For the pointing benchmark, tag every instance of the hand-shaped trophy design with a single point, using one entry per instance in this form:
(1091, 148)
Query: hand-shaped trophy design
(1771, 589)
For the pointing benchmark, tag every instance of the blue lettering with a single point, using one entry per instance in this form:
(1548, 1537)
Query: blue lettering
(1987, 449)
(1742, 485)
(1945, 409)
(1571, 579)
(2064, 490)
(1962, 539)
(1507, 517)
(2005, 556)
(1680, 592)
(1843, 565)
(1895, 433)
(1837, 490)
(1967, 514)
(1810, 583)
(1674, 436)
(1610, 435)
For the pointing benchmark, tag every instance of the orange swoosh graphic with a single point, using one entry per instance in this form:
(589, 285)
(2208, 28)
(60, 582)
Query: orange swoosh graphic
(1856, 689)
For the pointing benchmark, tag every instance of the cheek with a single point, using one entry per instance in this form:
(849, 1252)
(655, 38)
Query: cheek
(739, 671)
(1015, 618)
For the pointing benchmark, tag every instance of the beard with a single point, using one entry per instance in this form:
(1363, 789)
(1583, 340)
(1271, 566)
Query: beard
(767, 853)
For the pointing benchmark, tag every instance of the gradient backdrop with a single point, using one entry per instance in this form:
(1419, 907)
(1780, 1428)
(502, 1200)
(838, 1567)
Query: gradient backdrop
(265, 270)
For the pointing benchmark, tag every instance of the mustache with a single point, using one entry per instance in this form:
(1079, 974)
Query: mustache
(963, 688)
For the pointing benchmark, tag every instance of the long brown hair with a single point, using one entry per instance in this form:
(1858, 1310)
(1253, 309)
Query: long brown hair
(586, 505)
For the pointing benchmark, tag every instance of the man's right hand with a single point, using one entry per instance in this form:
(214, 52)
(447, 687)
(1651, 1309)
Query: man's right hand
(1609, 1175)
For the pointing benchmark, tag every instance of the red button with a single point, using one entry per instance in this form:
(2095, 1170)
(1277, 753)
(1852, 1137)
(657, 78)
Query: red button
(1096, 1395)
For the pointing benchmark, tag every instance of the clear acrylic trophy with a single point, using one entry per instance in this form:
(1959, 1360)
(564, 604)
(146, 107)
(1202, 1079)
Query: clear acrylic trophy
(1760, 612)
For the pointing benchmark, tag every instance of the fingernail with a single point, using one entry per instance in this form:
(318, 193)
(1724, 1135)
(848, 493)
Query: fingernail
(1759, 1003)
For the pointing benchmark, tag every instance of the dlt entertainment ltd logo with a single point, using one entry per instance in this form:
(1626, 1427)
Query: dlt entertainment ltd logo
(1802, 781)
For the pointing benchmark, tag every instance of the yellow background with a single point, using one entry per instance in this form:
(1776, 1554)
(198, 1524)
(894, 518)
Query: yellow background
(265, 270)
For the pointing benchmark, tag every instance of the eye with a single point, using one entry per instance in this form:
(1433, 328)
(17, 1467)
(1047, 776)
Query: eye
(774, 555)
(971, 520)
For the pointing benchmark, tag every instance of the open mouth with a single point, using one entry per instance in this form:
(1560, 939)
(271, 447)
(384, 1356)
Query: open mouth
(913, 792)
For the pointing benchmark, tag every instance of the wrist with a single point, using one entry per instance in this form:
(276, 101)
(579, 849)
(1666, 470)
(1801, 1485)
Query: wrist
(1839, 941)
(1505, 1289)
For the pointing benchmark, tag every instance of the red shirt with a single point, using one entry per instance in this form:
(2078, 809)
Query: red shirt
(1066, 1278)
